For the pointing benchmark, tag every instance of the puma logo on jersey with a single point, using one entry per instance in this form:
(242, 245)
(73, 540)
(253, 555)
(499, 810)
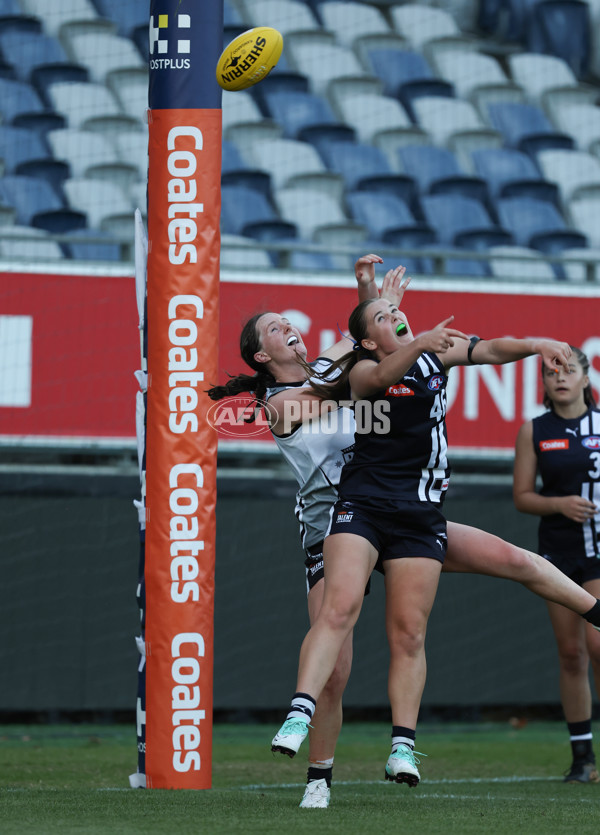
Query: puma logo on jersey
(550, 446)
(399, 390)
(406, 377)
(572, 431)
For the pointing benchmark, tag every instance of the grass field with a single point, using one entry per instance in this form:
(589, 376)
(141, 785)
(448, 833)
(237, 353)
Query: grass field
(476, 778)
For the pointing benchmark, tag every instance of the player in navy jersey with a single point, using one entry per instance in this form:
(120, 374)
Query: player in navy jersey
(563, 446)
(389, 508)
(271, 348)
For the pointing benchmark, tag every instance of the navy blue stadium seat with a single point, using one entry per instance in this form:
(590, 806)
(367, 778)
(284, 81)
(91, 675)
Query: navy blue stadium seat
(249, 213)
(462, 222)
(95, 246)
(406, 75)
(42, 122)
(366, 167)
(40, 59)
(7, 70)
(279, 82)
(297, 111)
(526, 128)
(37, 204)
(388, 219)
(10, 7)
(19, 22)
(127, 15)
(510, 173)
(538, 224)
(437, 171)
(235, 172)
(17, 97)
(26, 152)
(561, 28)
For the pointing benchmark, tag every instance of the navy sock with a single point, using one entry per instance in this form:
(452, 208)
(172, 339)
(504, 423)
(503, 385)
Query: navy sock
(593, 616)
(581, 741)
(402, 736)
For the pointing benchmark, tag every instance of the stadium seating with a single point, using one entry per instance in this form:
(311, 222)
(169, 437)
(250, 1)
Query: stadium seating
(462, 221)
(548, 81)
(477, 77)
(248, 213)
(582, 122)
(23, 151)
(511, 173)
(327, 64)
(126, 15)
(238, 251)
(561, 28)
(537, 224)
(297, 111)
(352, 21)
(422, 25)
(37, 204)
(381, 121)
(455, 124)
(132, 147)
(388, 219)
(406, 75)
(90, 106)
(294, 163)
(437, 171)
(326, 222)
(91, 155)
(526, 128)
(56, 17)
(576, 173)
(584, 213)
(291, 16)
(92, 245)
(366, 167)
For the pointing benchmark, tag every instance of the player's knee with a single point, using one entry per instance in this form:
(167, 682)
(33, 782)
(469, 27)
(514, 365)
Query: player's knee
(407, 639)
(573, 659)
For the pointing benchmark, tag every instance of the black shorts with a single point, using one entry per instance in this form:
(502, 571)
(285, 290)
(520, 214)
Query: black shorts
(415, 529)
(314, 567)
(579, 569)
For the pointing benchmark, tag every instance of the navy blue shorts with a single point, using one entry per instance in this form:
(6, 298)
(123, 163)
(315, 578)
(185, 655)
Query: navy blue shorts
(415, 529)
(579, 569)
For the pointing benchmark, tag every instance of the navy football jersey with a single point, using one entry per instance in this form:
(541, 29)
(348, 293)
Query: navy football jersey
(409, 461)
(568, 454)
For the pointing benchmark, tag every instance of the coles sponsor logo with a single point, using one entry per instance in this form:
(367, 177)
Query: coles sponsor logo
(436, 382)
(399, 390)
(550, 446)
(591, 442)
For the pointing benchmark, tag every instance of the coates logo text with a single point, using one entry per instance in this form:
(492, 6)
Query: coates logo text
(399, 390)
(591, 442)
(232, 417)
(550, 446)
(171, 39)
(436, 382)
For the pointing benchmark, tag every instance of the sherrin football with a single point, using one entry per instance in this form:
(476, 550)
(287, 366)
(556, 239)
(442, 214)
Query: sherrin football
(249, 58)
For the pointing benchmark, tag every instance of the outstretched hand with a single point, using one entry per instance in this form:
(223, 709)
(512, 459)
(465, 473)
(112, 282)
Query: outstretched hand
(364, 269)
(394, 284)
(554, 354)
(442, 337)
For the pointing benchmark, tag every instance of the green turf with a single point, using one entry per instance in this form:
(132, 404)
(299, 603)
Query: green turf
(476, 778)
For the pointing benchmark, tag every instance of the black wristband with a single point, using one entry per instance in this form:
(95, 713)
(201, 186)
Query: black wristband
(472, 343)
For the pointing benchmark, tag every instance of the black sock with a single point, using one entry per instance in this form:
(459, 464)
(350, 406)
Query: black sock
(319, 774)
(581, 741)
(593, 616)
(403, 736)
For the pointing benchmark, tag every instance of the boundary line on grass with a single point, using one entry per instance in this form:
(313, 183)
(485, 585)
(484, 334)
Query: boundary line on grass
(423, 783)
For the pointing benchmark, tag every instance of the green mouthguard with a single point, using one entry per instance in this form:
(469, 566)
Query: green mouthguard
(400, 329)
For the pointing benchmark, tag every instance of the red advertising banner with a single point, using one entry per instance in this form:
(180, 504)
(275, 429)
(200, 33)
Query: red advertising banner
(71, 345)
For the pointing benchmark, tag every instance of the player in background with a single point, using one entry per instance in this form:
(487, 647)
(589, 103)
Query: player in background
(313, 456)
(389, 508)
(563, 446)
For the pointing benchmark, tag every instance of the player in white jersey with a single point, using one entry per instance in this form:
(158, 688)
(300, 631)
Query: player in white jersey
(314, 457)
(563, 447)
(360, 536)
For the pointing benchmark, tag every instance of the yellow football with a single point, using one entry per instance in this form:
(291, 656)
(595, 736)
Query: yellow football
(249, 58)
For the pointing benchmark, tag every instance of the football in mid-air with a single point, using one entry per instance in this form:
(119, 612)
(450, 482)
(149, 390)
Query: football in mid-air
(249, 58)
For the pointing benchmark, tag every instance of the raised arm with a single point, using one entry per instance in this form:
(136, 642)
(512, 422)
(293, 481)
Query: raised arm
(368, 377)
(506, 349)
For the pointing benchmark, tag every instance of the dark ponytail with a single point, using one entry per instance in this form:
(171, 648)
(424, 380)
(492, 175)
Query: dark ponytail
(588, 394)
(257, 383)
(339, 388)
